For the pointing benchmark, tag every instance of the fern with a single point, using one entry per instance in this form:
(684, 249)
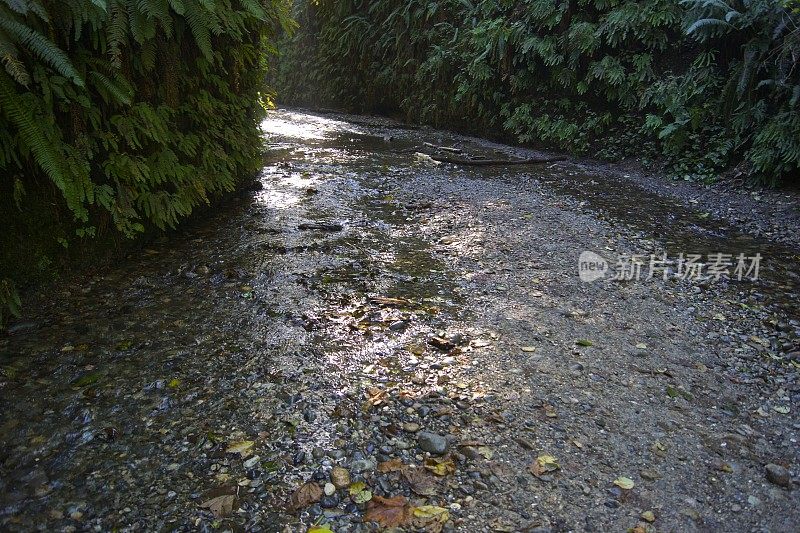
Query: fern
(42, 47)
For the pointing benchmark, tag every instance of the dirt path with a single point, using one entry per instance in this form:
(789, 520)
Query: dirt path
(400, 320)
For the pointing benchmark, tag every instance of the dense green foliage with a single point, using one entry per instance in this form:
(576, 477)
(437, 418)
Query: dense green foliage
(703, 85)
(117, 116)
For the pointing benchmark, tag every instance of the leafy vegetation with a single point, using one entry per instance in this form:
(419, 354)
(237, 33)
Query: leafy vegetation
(121, 116)
(702, 85)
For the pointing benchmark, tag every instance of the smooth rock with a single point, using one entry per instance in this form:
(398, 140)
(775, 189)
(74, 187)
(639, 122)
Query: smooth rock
(432, 443)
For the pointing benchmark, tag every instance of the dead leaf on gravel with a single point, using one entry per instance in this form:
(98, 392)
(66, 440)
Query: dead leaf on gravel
(419, 480)
(221, 506)
(440, 466)
(388, 512)
(306, 495)
(359, 492)
(244, 448)
(624, 483)
(430, 517)
(376, 396)
(544, 464)
(392, 465)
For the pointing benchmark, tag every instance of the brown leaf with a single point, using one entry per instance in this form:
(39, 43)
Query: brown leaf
(306, 495)
(376, 396)
(544, 464)
(393, 465)
(388, 512)
(419, 480)
(221, 506)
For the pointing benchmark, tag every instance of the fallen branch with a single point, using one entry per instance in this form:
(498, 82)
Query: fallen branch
(444, 148)
(496, 162)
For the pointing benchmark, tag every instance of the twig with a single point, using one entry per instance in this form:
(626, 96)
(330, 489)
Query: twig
(497, 162)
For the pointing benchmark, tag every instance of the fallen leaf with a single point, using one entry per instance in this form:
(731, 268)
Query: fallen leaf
(419, 480)
(584, 342)
(624, 483)
(485, 451)
(430, 517)
(392, 465)
(322, 528)
(359, 492)
(544, 464)
(528, 348)
(641, 346)
(648, 516)
(439, 466)
(220, 506)
(244, 448)
(388, 512)
(304, 496)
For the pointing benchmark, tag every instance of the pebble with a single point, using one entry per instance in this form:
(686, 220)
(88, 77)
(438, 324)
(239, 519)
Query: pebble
(432, 443)
(778, 475)
(330, 489)
(363, 465)
(329, 502)
(340, 477)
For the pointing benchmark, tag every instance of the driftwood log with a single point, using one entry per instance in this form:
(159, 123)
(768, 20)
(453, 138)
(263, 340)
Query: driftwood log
(497, 162)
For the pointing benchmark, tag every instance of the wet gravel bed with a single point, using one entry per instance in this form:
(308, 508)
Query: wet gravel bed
(372, 342)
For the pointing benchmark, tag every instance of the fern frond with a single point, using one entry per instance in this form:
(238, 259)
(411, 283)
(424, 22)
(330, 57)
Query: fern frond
(41, 47)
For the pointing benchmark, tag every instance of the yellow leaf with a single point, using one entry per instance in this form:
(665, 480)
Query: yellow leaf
(243, 448)
(624, 482)
(440, 467)
(428, 512)
(356, 487)
(543, 465)
(359, 492)
(323, 528)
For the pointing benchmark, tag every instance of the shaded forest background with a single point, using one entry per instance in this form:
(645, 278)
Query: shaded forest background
(701, 86)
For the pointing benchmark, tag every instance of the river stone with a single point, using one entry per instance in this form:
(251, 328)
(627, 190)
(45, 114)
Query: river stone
(340, 477)
(363, 465)
(432, 443)
(778, 475)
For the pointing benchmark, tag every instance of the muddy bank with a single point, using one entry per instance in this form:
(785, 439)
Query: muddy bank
(423, 328)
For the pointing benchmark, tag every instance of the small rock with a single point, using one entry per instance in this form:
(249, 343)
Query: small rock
(778, 475)
(329, 502)
(330, 489)
(340, 477)
(648, 516)
(363, 465)
(411, 427)
(432, 443)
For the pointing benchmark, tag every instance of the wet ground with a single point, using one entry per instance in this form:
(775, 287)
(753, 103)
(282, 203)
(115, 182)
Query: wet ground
(374, 341)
